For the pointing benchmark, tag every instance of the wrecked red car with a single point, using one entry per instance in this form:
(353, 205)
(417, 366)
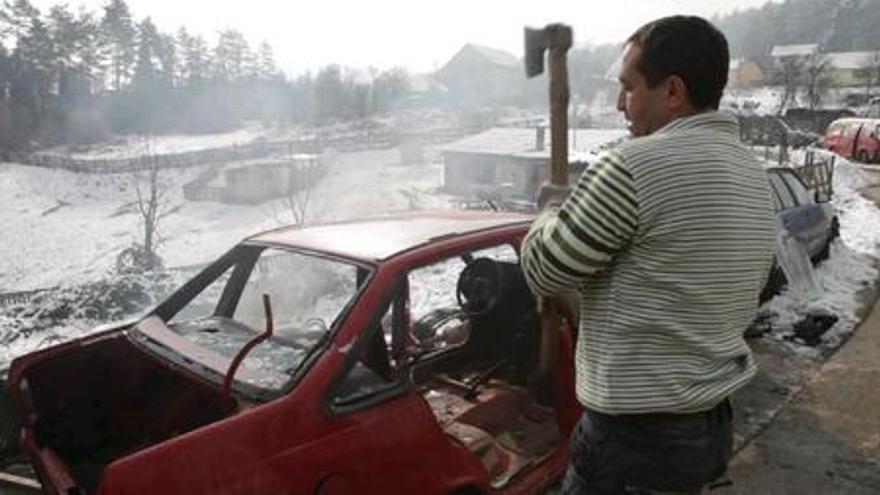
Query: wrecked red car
(392, 355)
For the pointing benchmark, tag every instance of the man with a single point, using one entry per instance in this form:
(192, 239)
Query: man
(666, 241)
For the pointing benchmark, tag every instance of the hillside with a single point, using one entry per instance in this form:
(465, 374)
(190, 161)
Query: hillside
(836, 25)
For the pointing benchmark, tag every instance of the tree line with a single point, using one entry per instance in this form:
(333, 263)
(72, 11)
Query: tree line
(80, 76)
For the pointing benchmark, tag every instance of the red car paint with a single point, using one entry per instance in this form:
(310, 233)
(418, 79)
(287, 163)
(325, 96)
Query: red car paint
(300, 442)
(857, 139)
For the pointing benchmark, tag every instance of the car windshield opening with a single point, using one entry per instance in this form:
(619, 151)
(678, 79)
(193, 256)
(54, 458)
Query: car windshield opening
(222, 309)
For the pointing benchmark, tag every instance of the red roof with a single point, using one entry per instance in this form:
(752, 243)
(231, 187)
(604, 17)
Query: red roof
(383, 237)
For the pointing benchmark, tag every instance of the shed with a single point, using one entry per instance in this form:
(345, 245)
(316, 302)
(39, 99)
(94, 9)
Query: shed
(513, 162)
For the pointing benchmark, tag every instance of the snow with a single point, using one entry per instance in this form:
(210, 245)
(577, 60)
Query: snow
(850, 268)
(135, 146)
(81, 239)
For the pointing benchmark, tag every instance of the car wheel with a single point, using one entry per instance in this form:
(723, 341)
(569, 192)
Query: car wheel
(775, 282)
(877, 156)
(833, 233)
(863, 156)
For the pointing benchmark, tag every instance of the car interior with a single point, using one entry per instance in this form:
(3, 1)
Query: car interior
(472, 362)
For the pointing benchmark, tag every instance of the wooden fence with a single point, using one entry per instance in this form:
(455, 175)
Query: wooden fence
(817, 172)
(19, 297)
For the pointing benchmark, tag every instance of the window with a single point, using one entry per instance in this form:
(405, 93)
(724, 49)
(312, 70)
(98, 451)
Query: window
(206, 302)
(223, 310)
(421, 318)
(788, 190)
(378, 357)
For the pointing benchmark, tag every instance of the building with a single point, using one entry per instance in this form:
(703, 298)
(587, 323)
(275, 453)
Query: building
(802, 53)
(479, 74)
(513, 162)
(853, 68)
(255, 181)
(744, 73)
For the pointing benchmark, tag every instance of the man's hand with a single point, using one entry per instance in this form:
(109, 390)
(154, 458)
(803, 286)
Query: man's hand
(550, 195)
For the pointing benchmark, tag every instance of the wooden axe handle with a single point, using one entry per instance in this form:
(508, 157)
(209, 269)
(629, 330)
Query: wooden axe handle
(548, 358)
(559, 96)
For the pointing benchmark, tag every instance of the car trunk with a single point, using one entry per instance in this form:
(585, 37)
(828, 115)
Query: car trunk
(107, 399)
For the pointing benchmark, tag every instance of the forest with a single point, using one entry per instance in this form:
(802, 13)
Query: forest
(82, 76)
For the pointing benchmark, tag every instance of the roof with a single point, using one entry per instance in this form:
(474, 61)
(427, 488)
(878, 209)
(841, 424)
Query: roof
(520, 142)
(424, 83)
(794, 50)
(381, 238)
(494, 55)
(853, 60)
(476, 57)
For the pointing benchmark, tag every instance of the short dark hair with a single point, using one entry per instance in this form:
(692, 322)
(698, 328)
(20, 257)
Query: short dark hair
(689, 47)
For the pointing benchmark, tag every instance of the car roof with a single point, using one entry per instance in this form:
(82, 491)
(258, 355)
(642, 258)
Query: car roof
(380, 238)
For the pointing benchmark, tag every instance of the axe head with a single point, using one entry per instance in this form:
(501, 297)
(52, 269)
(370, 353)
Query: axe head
(553, 36)
(536, 43)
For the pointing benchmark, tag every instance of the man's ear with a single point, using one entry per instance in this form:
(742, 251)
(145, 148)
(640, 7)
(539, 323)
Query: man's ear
(677, 97)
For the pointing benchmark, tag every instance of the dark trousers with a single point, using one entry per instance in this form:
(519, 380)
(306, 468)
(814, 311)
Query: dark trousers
(645, 453)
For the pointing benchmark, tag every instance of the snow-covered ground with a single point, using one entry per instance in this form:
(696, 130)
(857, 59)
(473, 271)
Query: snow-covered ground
(850, 268)
(60, 226)
(135, 146)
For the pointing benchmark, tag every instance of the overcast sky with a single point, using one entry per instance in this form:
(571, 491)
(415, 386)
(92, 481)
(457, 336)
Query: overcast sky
(420, 35)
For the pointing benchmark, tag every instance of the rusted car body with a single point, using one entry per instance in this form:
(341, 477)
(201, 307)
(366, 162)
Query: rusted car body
(392, 355)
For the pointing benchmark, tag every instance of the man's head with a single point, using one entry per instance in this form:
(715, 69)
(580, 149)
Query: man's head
(672, 67)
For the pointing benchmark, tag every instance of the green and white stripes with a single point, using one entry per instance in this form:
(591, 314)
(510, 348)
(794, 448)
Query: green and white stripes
(667, 240)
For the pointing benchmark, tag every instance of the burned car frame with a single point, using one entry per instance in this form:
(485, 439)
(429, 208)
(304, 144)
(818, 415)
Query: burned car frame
(390, 355)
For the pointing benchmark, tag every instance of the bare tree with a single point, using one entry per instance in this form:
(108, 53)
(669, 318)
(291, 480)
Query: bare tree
(789, 76)
(815, 79)
(869, 72)
(304, 174)
(152, 206)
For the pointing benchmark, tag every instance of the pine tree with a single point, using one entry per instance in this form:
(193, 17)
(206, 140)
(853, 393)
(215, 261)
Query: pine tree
(196, 61)
(15, 19)
(145, 65)
(267, 69)
(169, 61)
(5, 72)
(231, 56)
(118, 36)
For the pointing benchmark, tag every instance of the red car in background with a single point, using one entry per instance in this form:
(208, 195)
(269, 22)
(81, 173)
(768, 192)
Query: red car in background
(392, 355)
(857, 139)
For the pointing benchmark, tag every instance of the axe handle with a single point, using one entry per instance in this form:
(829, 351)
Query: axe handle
(548, 357)
(559, 96)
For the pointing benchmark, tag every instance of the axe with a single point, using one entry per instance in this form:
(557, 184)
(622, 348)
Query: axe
(555, 38)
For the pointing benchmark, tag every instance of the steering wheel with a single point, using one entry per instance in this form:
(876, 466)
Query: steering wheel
(479, 286)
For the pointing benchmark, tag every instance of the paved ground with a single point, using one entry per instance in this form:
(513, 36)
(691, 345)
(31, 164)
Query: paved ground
(827, 439)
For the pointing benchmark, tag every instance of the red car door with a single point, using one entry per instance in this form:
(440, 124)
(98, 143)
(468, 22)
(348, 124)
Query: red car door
(386, 438)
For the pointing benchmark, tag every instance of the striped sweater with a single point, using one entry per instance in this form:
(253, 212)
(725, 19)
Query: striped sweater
(667, 241)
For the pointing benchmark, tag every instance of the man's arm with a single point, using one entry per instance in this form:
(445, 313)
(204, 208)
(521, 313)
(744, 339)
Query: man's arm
(569, 242)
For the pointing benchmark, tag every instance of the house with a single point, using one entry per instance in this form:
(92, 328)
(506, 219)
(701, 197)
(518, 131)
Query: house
(852, 68)
(513, 162)
(801, 53)
(479, 74)
(744, 73)
(255, 181)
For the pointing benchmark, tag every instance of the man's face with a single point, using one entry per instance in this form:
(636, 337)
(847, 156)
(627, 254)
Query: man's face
(646, 109)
